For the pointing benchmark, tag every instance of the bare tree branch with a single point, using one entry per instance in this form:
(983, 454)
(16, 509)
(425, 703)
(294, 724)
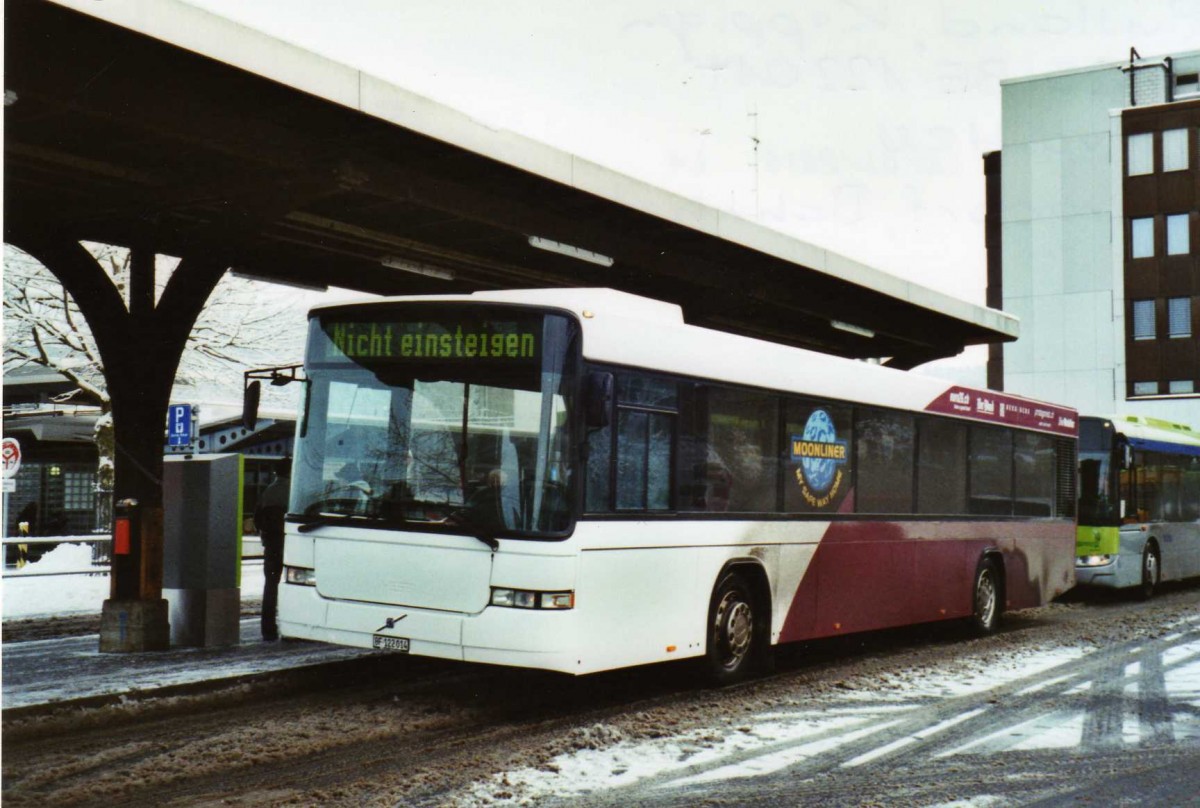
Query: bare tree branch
(244, 324)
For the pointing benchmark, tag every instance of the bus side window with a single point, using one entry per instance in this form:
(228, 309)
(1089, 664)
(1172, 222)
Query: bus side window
(991, 471)
(730, 450)
(1127, 495)
(1033, 474)
(598, 480)
(1190, 494)
(629, 462)
(884, 456)
(644, 442)
(942, 466)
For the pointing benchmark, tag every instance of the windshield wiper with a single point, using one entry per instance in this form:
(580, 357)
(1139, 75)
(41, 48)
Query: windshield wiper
(322, 519)
(487, 539)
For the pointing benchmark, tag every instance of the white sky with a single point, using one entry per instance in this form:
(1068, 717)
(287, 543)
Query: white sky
(872, 116)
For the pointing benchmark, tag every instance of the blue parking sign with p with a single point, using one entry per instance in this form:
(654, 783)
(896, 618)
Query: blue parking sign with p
(179, 425)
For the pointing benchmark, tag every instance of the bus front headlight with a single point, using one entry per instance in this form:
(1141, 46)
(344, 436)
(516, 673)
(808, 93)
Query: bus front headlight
(300, 575)
(1094, 560)
(524, 599)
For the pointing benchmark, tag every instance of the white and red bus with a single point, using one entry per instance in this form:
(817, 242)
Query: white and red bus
(576, 480)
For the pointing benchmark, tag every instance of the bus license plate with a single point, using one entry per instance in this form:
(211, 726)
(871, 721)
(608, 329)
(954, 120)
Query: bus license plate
(389, 643)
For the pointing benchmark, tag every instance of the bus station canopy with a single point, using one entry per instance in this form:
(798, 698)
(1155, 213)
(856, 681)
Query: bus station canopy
(162, 125)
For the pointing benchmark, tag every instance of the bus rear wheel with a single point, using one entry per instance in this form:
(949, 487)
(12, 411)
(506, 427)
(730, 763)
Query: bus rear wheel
(985, 613)
(732, 636)
(1151, 571)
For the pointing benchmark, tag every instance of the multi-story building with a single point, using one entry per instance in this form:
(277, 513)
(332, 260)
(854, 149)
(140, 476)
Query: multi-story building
(1093, 235)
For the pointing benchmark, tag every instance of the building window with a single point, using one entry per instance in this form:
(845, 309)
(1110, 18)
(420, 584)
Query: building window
(79, 491)
(1179, 317)
(1175, 150)
(1141, 154)
(1179, 387)
(1177, 234)
(1187, 85)
(1143, 238)
(1145, 388)
(1143, 319)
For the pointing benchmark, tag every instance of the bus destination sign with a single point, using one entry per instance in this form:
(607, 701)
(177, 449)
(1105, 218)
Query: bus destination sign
(402, 341)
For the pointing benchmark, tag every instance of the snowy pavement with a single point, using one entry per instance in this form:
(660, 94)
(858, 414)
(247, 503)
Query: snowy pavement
(68, 668)
(1078, 699)
(53, 587)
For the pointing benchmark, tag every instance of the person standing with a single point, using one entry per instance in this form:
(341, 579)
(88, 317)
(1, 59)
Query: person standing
(269, 519)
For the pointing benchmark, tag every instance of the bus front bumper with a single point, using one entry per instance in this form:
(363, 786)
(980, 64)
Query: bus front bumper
(1114, 574)
(500, 636)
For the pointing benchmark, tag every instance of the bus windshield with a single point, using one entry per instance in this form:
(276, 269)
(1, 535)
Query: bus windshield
(438, 417)
(1099, 504)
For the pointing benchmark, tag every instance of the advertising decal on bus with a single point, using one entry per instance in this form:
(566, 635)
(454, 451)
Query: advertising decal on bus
(820, 457)
(998, 408)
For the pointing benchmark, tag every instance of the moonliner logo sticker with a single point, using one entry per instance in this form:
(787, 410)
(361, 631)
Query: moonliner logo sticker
(820, 457)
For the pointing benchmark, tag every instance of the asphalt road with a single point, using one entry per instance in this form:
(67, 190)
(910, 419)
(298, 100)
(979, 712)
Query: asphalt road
(1119, 725)
(1087, 702)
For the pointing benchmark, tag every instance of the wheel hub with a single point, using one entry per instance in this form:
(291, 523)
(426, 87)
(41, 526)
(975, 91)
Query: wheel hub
(735, 629)
(985, 598)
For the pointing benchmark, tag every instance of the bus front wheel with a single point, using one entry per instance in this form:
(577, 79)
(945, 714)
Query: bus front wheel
(1151, 571)
(731, 630)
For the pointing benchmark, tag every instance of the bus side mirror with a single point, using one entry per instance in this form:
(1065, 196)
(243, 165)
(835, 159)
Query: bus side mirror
(597, 398)
(1126, 456)
(250, 397)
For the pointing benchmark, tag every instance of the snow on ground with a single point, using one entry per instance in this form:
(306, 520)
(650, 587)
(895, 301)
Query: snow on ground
(29, 592)
(34, 672)
(773, 741)
(66, 668)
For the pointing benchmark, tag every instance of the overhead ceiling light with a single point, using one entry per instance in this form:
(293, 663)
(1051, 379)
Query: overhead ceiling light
(567, 249)
(853, 329)
(404, 265)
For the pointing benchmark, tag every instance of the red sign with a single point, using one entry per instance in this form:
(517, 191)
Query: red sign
(998, 408)
(12, 457)
(121, 535)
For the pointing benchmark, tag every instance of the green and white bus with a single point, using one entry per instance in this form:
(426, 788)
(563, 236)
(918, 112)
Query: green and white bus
(1139, 502)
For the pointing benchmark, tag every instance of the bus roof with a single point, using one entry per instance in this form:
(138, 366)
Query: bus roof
(625, 329)
(404, 180)
(1155, 433)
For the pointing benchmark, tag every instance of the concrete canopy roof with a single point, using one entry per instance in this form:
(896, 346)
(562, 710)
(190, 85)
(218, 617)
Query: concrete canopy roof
(158, 124)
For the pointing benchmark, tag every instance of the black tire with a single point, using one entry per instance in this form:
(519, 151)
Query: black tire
(1151, 571)
(986, 598)
(733, 638)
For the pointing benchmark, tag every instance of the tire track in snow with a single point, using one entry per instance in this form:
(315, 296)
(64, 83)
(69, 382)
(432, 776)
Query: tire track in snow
(987, 723)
